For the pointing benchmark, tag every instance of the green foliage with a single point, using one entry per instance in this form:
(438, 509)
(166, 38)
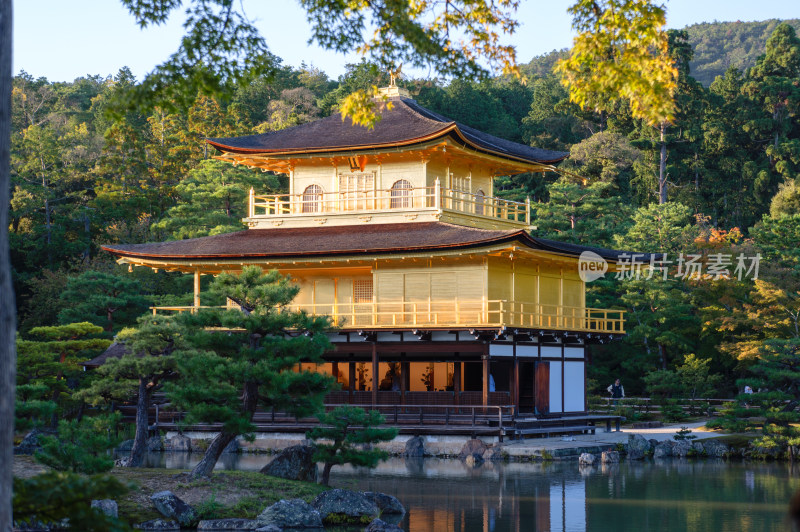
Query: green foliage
(684, 434)
(346, 434)
(102, 298)
(722, 45)
(620, 53)
(81, 446)
(213, 200)
(48, 371)
(54, 496)
(229, 375)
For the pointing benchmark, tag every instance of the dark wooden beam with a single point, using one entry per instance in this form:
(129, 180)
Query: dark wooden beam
(374, 374)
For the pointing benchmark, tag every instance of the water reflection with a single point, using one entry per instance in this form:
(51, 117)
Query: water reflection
(446, 495)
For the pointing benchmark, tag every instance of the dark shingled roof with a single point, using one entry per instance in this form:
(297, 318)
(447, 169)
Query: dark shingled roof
(115, 350)
(344, 240)
(406, 123)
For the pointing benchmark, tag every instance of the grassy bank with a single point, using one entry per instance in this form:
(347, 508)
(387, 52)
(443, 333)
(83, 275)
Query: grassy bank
(225, 494)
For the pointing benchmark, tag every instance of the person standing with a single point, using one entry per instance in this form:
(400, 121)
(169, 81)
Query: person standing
(617, 391)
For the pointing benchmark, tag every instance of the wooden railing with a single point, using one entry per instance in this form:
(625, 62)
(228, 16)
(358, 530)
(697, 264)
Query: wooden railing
(450, 313)
(388, 200)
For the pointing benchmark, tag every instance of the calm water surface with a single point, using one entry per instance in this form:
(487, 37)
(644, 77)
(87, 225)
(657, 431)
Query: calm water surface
(677, 495)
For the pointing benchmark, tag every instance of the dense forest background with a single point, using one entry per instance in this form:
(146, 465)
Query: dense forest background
(721, 179)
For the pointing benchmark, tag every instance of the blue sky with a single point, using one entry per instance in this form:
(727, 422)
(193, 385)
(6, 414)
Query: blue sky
(65, 39)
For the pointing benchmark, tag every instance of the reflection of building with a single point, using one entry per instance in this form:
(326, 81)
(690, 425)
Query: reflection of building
(436, 283)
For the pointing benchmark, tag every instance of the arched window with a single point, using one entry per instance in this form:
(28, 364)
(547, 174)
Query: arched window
(312, 199)
(401, 194)
(480, 198)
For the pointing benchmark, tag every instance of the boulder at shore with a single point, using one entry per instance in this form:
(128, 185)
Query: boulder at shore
(158, 524)
(107, 507)
(387, 504)
(415, 447)
(227, 524)
(170, 505)
(378, 525)
(294, 513)
(345, 507)
(293, 463)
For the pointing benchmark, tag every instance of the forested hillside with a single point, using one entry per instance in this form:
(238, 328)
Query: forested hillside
(716, 45)
(719, 45)
(720, 179)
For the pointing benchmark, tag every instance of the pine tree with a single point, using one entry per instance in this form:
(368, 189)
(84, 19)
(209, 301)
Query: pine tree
(101, 297)
(48, 370)
(346, 435)
(149, 362)
(249, 360)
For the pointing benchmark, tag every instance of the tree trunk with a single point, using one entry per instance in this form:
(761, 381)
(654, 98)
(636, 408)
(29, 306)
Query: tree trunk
(8, 363)
(326, 473)
(214, 451)
(142, 425)
(218, 444)
(662, 166)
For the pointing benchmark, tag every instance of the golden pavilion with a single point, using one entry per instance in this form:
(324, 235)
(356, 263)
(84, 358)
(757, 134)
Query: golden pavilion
(442, 295)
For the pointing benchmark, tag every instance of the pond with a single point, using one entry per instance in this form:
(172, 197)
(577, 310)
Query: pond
(445, 495)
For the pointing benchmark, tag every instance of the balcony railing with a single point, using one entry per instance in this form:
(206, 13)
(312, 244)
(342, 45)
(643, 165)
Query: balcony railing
(433, 198)
(476, 313)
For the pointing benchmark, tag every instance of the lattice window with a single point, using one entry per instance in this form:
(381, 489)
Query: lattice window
(312, 198)
(356, 190)
(401, 192)
(480, 198)
(362, 291)
(461, 184)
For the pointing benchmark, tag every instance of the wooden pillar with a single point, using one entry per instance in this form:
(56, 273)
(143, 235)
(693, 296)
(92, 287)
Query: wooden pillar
(196, 289)
(374, 373)
(485, 360)
(457, 382)
(352, 377)
(515, 379)
(335, 370)
(405, 380)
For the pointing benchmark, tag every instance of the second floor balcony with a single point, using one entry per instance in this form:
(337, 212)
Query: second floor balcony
(459, 314)
(400, 203)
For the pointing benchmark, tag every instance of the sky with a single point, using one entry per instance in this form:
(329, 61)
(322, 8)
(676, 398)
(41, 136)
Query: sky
(65, 39)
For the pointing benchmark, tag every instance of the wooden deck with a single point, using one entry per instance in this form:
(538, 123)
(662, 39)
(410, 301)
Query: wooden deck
(457, 314)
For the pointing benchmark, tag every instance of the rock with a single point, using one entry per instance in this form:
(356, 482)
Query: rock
(415, 447)
(227, 524)
(474, 448)
(382, 526)
(653, 443)
(473, 460)
(125, 447)
(294, 513)
(30, 443)
(635, 454)
(232, 448)
(681, 448)
(293, 463)
(345, 507)
(587, 459)
(169, 505)
(662, 450)
(609, 457)
(387, 504)
(179, 443)
(715, 449)
(158, 524)
(698, 449)
(638, 445)
(108, 507)
(269, 528)
(155, 444)
(493, 454)
(122, 462)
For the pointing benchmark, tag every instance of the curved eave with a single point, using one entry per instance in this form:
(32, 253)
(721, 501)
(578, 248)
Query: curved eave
(293, 255)
(450, 128)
